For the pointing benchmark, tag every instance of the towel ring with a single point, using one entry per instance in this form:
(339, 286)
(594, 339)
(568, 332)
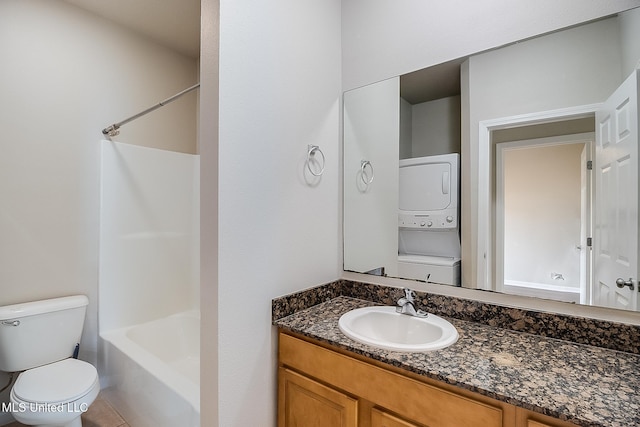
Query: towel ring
(363, 173)
(311, 151)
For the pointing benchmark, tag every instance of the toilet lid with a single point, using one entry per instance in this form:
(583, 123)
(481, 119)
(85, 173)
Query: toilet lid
(63, 381)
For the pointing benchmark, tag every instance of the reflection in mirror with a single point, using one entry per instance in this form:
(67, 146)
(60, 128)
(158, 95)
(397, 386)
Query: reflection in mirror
(527, 121)
(370, 215)
(543, 181)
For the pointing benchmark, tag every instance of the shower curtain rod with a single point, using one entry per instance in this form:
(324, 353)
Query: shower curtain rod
(113, 129)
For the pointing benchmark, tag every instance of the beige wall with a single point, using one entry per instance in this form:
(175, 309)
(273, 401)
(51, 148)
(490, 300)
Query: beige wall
(542, 214)
(65, 75)
(208, 126)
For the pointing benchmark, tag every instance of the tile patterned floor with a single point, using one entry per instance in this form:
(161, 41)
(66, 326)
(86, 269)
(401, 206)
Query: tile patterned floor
(100, 414)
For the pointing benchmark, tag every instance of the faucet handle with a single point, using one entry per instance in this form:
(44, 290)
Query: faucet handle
(421, 313)
(409, 294)
(405, 305)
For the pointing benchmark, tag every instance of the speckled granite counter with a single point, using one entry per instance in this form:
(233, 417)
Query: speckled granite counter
(589, 386)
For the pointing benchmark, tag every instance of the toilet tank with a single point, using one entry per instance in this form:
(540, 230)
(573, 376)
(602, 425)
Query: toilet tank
(40, 332)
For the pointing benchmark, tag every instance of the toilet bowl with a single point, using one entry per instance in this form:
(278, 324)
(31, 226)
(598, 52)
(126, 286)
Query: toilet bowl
(56, 394)
(40, 339)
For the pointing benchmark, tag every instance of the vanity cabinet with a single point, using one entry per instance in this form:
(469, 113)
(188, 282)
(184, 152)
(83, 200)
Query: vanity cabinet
(319, 386)
(318, 381)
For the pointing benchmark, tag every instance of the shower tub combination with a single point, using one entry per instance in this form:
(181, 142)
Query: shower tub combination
(154, 371)
(148, 293)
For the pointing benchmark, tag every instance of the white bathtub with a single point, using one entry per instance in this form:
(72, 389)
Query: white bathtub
(151, 371)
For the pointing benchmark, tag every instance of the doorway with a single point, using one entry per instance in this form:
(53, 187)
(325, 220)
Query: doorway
(543, 215)
(615, 213)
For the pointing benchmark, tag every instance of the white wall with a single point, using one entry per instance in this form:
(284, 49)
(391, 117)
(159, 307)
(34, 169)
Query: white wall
(574, 67)
(65, 75)
(382, 39)
(630, 36)
(279, 82)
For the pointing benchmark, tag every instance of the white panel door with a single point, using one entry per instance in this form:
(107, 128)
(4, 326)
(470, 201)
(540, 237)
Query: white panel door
(616, 199)
(371, 133)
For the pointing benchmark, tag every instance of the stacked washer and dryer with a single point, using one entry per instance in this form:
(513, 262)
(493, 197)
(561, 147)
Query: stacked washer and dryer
(428, 219)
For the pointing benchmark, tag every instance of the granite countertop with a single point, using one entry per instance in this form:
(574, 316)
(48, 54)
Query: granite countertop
(589, 386)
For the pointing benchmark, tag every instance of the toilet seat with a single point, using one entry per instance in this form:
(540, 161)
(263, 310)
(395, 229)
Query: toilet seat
(64, 381)
(55, 394)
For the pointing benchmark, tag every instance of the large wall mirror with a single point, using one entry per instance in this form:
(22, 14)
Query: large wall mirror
(513, 170)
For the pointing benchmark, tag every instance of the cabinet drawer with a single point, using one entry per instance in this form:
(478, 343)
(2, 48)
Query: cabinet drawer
(415, 400)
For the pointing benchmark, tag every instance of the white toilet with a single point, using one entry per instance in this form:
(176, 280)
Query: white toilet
(40, 338)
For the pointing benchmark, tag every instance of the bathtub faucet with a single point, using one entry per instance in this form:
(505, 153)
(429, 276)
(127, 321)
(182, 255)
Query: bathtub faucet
(405, 305)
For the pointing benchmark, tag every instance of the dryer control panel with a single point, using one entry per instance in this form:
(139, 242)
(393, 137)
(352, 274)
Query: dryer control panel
(444, 219)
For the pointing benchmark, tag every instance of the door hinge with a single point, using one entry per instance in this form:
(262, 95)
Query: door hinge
(589, 241)
(589, 165)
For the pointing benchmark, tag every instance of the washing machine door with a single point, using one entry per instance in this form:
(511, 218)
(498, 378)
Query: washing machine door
(425, 187)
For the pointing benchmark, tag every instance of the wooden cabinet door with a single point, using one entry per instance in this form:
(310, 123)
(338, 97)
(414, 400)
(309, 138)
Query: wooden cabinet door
(303, 402)
(383, 419)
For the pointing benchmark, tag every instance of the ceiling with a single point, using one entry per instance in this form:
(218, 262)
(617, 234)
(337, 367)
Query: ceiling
(439, 81)
(171, 23)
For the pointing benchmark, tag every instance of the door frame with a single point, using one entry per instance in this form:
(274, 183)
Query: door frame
(485, 246)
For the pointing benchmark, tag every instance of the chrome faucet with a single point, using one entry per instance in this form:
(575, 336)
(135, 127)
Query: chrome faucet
(405, 305)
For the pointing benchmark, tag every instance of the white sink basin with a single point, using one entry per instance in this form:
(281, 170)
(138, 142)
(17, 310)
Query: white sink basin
(382, 327)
